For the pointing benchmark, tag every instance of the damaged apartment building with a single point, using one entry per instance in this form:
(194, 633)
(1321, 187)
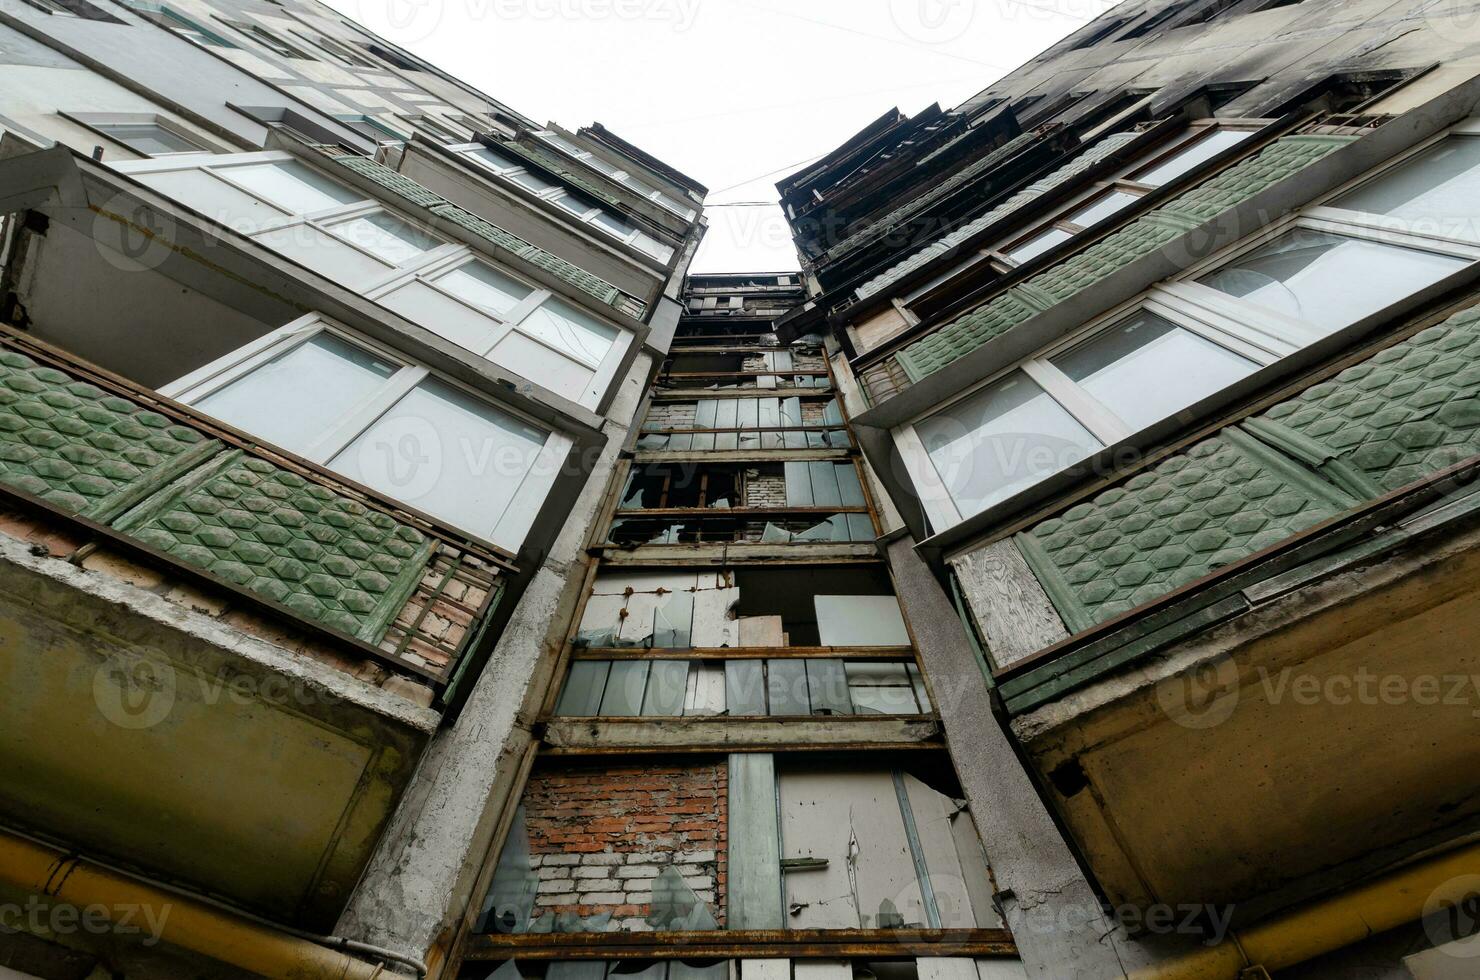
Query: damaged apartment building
(409, 569)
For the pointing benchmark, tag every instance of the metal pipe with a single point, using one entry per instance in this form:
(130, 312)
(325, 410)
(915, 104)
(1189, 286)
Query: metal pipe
(190, 924)
(1326, 925)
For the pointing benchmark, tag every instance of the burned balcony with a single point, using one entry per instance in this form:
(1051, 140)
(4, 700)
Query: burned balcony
(746, 368)
(678, 424)
(766, 503)
(704, 853)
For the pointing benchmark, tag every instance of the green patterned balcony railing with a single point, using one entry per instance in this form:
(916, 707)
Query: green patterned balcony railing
(84, 445)
(1084, 269)
(1407, 412)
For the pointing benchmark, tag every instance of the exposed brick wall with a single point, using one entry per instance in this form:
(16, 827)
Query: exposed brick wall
(813, 410)
(598, 838)
(671, 415)
(765, 487)
(62, 541)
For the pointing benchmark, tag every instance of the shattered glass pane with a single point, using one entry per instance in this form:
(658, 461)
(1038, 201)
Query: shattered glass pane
(510, 902)
(675, 907)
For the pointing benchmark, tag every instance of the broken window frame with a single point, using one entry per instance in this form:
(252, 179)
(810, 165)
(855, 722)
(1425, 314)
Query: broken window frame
(511, 526)
(1244, 327)
(598, 671)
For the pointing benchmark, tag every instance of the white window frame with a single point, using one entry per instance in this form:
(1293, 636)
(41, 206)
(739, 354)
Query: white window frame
(425, 268)
(555, 194)
(339, 433)
(603, 371)
(620, 174)
(96, 121)
(1123, 181)
(1245, 328)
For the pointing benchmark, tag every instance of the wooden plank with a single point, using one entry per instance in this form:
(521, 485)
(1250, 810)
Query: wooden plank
(723, 555)
(762, 631)
(1011, 610)
(739, 455)
(754, 894)
(727, 734)
(743, 652)
(758, 945)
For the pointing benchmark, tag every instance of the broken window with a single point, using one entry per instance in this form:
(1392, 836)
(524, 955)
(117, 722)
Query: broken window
(741, 688)
(744, 423)
(599, 850)
(735, 503)
(747, 606)
(822, 845)
(668, 844)
(790, 368)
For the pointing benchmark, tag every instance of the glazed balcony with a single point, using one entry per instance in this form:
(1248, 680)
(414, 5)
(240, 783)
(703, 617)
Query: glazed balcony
(1219, 666)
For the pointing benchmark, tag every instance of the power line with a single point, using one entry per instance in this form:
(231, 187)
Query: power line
(792, 105)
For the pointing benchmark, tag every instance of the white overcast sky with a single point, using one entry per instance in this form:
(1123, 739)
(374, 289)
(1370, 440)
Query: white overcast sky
(734, 93)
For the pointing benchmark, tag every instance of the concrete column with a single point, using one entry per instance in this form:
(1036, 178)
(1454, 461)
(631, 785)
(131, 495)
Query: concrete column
(419, 881)
(1060, 926)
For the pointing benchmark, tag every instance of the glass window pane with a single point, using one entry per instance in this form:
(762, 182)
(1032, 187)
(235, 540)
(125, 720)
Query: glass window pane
(1185, 159)
(1038, 245)
(575, 204)
(612, 224)
(1145, 368)
(1103, 208)
(446, 453)
(1329, 280)
(490, 159)
(533, 181)
(150, 138)
(485, 287)
(1007, 436)
(1436, 193)
(294, 398)
(651, 246)
(386, 236)
(566, 328)
(292, 186)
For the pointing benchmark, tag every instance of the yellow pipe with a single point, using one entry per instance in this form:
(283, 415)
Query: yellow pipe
(1324, 926)
(51, 874)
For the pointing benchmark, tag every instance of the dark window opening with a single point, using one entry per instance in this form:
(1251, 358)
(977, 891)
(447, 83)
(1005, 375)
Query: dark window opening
(74, 8)
(1098, 34)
